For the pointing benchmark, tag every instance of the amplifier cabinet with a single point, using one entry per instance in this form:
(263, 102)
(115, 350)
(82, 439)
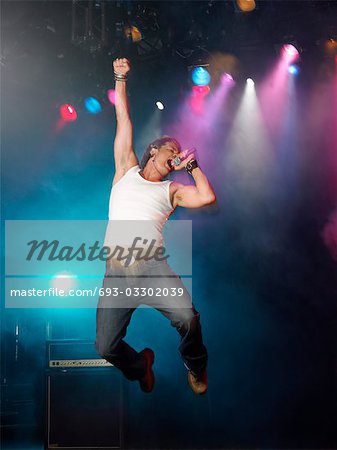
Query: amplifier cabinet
(70, 349)
(83, 406)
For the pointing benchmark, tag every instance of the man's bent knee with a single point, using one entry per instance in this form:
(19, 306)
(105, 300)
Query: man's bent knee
(185, 319)
(106, 350)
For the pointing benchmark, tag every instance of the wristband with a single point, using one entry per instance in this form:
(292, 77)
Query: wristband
(191, 165)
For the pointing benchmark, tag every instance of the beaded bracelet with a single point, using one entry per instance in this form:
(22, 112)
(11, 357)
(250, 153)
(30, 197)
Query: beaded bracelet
(120, 77)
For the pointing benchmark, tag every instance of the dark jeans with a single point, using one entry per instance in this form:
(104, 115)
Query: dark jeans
(114, 315)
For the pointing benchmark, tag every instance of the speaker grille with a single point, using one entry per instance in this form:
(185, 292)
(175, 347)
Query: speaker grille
(84, 409)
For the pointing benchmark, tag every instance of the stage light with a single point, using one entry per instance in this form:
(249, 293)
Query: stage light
(293, 69)
(197, 98)
(201, 76)
(64, 280)
(92, 105)
(201, 90)
(227, 78)
(250, 82)
(246, 5)
(68, 113)
(290, 52)
(160, 106)
(331, 46)
(133, 33)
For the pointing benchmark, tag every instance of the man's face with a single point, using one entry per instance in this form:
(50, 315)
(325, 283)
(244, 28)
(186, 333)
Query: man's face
(164, 154)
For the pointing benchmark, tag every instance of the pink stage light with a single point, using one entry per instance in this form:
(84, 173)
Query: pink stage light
(290, 53)
(112, 96)
(201, 90)
(227, 78)
(68, 113)
(197, 99)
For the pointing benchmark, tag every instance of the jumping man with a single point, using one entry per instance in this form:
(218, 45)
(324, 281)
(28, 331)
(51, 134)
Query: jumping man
(139, 192)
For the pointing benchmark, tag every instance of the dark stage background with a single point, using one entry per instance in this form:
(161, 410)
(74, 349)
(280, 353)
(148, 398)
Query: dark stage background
(264, 257)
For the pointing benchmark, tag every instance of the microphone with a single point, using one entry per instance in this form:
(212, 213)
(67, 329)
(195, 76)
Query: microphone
(179, 159)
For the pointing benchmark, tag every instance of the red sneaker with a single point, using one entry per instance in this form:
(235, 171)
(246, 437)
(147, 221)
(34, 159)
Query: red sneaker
(147, 381)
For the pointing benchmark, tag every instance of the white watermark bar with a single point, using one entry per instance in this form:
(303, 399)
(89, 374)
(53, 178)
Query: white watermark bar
(60, 264)
(71, 292)
(42, 247)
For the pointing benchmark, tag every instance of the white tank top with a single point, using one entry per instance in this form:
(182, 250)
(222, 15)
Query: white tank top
(133, 198)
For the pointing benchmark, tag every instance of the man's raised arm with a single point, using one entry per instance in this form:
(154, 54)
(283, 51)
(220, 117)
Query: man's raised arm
(123, 146)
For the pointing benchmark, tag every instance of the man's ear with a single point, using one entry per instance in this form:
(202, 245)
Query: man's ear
(154, 150)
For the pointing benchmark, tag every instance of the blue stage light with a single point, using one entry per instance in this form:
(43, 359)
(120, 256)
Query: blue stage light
(201, 76)
(92, 105)
(293, 69)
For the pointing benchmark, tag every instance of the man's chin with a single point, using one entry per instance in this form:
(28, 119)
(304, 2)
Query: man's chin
(168, 167)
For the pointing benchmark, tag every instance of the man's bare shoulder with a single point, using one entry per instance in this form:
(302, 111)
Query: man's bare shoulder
(174, 186)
